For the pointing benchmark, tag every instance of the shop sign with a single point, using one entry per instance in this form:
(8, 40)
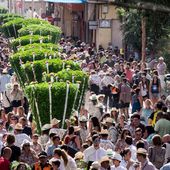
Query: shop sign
(93, 25)
(105, 23)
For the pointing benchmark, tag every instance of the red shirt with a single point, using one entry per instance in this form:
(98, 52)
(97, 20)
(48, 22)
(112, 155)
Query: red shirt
(4, 164)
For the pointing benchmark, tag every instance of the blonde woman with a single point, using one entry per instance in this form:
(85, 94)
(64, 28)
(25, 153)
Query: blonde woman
(62, 156)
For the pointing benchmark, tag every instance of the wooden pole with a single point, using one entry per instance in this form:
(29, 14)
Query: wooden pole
(143, 24)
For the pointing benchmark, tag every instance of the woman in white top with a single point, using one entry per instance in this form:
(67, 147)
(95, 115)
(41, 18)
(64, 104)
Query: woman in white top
(61, 155)
(127, 162)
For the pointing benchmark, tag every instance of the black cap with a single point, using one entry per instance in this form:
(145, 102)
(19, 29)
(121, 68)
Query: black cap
(42, 154)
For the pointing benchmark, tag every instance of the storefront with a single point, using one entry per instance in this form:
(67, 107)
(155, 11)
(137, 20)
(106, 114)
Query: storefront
(69, 15)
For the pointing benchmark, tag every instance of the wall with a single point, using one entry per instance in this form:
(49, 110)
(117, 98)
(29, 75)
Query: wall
(106, 35)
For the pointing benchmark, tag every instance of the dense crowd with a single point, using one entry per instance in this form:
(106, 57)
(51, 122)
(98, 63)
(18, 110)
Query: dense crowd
(123, 123)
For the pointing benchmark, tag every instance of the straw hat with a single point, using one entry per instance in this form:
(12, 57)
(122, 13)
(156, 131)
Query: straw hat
(79, 155)
(104, 132)
(105, 159)
(142, 151)
(46, 127)
(114, 109)
(55, 122)
(109, 120)
(18, 126)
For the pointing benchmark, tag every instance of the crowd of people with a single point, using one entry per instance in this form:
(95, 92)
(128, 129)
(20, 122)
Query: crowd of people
(123, 123)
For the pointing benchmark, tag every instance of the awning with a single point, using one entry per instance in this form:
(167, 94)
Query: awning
(67, 1)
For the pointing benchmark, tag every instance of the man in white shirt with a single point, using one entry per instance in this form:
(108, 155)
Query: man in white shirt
(94, 81)
(19, 136)
(94, 152)
(55, 123)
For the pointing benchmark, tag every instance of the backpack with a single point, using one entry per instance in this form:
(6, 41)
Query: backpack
(157, 156)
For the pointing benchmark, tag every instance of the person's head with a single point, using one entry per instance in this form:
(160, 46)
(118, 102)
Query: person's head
(128, 140)
(148, 131)
(105, 162)
(23, 121)
(21, 111)
(141, 155)
(104, 134)
(18, 128)
(116, 159)
(161, 60)
(56, 140)
(96, 140)
(156, 140)
(148, 103)
(13, 119)
(52, 135)
(55, 123)
(140, 144)
(60, 153)
(26, 146)
(35, 138)
(136, 119)
(159, 105)
(7, 152)
(10, 139)
(138, 134)
(125, 132)
(160, 115)
(70, 130)
(83, 121)
(55, 164)
(21, 166)
(109, 122)
(15, 86)
(126, 154)
(166, 138)
(121, 119)
(42, 157)
(95, 124)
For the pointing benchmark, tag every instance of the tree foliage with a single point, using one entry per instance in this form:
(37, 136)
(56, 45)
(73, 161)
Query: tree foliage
(157, 25)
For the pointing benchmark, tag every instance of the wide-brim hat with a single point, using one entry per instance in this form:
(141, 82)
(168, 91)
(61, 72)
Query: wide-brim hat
(18, 126)
(104, 132)
(109, 120)
(105, 159)
(46, 127)
(142, 151)
(114, 109)
(117, 157)
(93, 97)
(79, 155)
(55, 122)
